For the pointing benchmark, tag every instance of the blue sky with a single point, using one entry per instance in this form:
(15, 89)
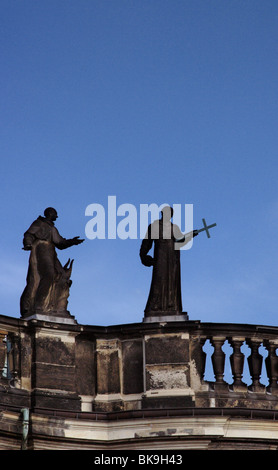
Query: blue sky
(153, 101)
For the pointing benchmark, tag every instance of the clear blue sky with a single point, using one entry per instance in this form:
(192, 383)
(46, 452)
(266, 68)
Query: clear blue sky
(153, 101)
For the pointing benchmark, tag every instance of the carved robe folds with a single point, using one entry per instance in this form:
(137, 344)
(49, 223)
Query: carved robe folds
(165, 292)
(48, 282)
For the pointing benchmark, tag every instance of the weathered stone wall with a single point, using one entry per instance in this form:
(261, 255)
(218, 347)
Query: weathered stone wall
(105, 373)
(134, 366)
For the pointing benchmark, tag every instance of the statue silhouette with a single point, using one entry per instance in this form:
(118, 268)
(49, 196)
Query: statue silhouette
(165, 291)
(48, 282)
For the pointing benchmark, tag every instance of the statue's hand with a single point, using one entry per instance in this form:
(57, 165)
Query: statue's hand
(27, 248)
(77, 240)
(148, 261)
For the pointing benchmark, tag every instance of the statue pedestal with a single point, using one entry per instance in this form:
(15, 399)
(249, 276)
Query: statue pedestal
(53, 366)
(166, 318)
(56, 317)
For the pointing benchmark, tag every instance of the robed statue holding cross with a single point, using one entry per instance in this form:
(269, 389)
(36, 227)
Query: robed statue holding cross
(165, 299)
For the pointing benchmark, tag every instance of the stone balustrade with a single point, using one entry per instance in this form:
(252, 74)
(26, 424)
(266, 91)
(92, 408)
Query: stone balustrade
(142, 366)
(253, 338)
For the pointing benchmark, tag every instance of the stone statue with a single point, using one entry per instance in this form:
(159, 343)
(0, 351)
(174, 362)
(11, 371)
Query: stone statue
(48, 282)
(165, 292)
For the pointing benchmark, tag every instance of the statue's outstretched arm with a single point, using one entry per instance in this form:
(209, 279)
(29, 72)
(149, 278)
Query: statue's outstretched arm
(66, 243)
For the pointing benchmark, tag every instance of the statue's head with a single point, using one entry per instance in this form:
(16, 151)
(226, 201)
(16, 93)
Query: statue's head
(50, 213)
(167, 213)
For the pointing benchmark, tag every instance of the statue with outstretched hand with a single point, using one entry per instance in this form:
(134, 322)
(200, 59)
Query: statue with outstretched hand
(48, 282)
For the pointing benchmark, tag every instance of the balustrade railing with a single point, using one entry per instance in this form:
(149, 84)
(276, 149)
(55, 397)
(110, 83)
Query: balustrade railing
(255, 361)
(9, 358)
(234, 346)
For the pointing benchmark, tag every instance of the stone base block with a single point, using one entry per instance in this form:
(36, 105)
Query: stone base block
(166, 318)
(156, 402)
(67, 319)
(58, 401)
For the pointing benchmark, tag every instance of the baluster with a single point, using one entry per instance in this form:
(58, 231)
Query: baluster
(3, 351)
(271, 364)
(203, 358)
(255, 361)
(237, 364)
(218, 360)
(14, 360)
(198, 358)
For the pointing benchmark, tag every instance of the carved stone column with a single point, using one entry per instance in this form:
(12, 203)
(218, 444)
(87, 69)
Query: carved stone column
(14, 360)
(218, 360)
(255, 361)
(271, 363)
(3, 351)
(201, 362)
(237, 364)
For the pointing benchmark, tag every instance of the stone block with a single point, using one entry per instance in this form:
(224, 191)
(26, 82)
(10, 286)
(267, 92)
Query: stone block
(108, 371)
(167, 348)
(132, 366)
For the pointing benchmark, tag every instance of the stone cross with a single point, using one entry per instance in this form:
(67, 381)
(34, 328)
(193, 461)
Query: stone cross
(206, 228)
